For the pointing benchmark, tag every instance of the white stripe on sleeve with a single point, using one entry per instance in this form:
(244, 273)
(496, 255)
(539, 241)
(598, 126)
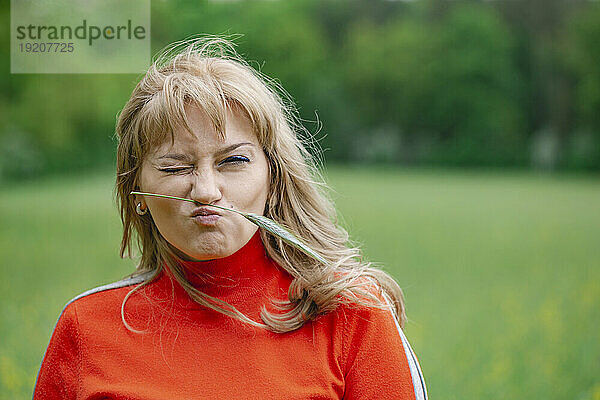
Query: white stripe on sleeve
(415, 368)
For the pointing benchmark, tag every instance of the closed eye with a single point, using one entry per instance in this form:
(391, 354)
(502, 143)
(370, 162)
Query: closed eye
(173, 170)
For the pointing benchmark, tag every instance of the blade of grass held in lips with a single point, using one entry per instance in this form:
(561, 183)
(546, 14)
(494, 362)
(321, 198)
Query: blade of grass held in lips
(278, 230)
(165, 196)
(259, 220)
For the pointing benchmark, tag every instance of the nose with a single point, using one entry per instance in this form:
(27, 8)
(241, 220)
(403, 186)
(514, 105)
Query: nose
(206, 187)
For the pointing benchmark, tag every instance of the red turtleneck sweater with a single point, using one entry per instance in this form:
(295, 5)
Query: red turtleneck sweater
(190, 352)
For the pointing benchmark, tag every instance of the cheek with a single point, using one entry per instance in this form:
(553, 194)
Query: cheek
(162, 210)
(255, 190)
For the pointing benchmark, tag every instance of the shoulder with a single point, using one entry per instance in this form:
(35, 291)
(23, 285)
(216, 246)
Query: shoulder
(92, 311)
(357, 320)
(366, 308)
(123, 283)
(105, 297)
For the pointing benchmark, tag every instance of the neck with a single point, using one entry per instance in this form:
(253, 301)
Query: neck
(249, 263)
(247, 279)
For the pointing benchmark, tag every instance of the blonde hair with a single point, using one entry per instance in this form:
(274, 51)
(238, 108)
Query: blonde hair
(207, 72)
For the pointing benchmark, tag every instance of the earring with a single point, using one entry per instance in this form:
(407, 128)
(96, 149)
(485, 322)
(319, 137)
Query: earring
(140, 210)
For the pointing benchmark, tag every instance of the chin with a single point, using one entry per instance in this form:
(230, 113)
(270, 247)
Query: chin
(210, 250)
(212, 245)
(207, 254)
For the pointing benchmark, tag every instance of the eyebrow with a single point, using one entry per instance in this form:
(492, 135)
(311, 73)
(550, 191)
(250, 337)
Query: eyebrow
(184, 157)
(175, 156)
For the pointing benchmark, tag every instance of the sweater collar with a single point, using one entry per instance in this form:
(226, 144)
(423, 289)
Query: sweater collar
(247, 279)
(247, 266)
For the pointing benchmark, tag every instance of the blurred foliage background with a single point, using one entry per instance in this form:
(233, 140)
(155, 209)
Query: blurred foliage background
(499, 263)
(429, 82)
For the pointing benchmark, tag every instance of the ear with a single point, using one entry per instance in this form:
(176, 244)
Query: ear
(140, 199)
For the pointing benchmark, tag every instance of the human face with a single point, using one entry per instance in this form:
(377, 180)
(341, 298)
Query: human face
(232, 173)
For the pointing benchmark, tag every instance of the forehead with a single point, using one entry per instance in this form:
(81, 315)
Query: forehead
(203, 136)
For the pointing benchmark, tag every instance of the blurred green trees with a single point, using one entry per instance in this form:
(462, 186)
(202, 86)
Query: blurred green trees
(429, 82)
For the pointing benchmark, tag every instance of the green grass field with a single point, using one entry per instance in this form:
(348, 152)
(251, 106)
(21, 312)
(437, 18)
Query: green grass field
(501, 272)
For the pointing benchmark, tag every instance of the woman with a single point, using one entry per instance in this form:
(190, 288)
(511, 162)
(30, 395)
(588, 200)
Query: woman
(217, 307)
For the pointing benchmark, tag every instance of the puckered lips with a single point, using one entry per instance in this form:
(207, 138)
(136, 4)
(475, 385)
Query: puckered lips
(206, 215)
